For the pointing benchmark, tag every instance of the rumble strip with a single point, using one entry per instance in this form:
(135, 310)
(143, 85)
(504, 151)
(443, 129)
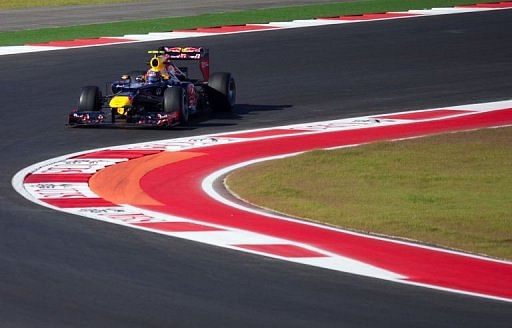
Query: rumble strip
(230, 29)
(166, 187)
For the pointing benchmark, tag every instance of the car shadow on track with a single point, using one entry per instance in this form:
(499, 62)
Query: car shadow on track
(244, 109)
(212, 119)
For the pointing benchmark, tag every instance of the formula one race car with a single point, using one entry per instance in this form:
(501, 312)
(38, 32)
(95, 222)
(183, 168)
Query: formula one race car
(164, 95)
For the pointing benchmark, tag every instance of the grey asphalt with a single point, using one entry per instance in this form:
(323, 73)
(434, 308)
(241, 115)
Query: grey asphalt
(59, 270)
(33, 18)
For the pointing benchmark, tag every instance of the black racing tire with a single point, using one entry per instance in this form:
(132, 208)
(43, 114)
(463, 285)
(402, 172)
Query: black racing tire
(90, 99)
(174, 100)
(222, 92)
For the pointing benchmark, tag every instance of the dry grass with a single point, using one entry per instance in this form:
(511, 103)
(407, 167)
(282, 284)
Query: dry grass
(453, 190)
(17, 4)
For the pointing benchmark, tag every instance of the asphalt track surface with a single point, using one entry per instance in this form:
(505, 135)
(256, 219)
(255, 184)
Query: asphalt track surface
(18, 19)
(60, 270)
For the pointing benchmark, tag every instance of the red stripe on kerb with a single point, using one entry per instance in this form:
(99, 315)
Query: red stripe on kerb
(78, 202)
(177, 226)
(130, 154)
(448, 270)
(505, 4)
(42, 178)
(425, 115)
(80, 42)
(267, 133)
(282, 250)
(229, 29)
(370, 16)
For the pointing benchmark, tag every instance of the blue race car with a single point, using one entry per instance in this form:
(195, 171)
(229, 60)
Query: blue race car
(162, 96)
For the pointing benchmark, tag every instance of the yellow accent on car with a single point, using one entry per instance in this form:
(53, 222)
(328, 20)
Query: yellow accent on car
(120, 111)
(120, 101)
(157, 63)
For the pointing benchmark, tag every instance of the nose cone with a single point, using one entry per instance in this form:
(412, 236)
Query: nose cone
(120, 102)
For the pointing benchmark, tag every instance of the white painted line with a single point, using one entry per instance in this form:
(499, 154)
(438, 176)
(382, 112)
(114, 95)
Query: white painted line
(209, 181)
(306, 23)
(11, 50)
(446, 11)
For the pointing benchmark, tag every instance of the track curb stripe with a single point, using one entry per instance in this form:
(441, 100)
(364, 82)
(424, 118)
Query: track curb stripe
(80, 198)
(245, 28)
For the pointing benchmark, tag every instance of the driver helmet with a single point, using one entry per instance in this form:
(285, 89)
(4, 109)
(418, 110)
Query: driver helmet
(153, 76)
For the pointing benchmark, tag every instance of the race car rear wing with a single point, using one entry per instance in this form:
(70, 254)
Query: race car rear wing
(192, 53)
(200, 54)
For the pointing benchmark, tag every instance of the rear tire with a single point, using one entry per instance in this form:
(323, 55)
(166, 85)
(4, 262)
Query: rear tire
(175, 101)
(222, 92)
(90, 99)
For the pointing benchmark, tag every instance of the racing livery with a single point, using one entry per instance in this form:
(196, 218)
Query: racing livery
(162, 96)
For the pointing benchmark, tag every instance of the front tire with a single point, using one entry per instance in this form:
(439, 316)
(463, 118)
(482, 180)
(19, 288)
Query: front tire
(175, 101)
(90, 99)
(222, 92)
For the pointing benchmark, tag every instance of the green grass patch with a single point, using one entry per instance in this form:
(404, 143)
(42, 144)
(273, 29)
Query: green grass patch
(240, 17)
(17, 4)
(453, 190)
